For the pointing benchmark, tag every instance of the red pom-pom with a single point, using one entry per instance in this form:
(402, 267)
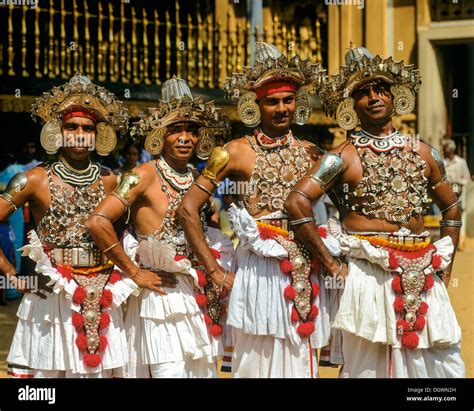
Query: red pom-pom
(393, 262)
(315, 264)
(104, 320)
(289, 292)
(286, 266)
(201, 300)
(294, 314)
(266, 233)
(322, 231)
(410, 339)
(92, 360)
(81, 341)
(397, 284)
(402, 324)
(202, 280)
(215, 330)
(114, 277)
(423, 308)
(305, 329)
(436, 261)
(208, 320)
(398, 304)
(429, 282)
(314, 289)
(106, 299)
(77, 320)
(102, 343)
(313, 313)
(215, 253)
(66, 272)
(420, 323)
(179, 257)
(79, 295)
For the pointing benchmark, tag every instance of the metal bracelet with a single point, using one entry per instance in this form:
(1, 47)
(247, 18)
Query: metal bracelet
(223, 281)
(203, 189)
(8, 198)
(451, 206)
(101, 215)
(339, 268)
(302, 220)
(110, 248)
(123, 200)
(450, 223)
(301, 193)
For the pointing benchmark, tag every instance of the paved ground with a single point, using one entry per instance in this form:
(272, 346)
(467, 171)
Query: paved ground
(461, 292)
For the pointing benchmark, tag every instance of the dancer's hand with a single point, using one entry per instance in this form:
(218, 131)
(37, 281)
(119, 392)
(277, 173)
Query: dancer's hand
(446, 277)
(344, 271)
(223, 279)
(24, 286)
(155, 280)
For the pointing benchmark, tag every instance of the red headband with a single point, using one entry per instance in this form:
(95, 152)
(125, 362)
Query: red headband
(80, 113)
(275, 87)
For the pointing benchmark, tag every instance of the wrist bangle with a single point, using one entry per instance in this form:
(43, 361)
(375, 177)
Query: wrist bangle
(110, 248)
(203, 189)
(302, 220)
(339, 269)
(223, 280)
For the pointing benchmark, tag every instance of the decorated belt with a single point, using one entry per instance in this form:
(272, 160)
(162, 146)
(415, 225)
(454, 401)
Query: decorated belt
(76, 257)
(282, 223)
(403, 243)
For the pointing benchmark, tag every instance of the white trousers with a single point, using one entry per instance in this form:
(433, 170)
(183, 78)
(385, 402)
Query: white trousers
(264, 356)
(189, 368)
(364, 359)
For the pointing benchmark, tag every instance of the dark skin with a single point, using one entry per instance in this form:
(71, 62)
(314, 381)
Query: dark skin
(148, 208)
(276, 116)
(38, 195)
(374, 106)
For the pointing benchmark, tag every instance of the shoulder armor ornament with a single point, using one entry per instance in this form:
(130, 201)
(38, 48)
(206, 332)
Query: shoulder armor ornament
(330, 167)
(127, 182)
(15, 185)
(217, 161)
(439, 162)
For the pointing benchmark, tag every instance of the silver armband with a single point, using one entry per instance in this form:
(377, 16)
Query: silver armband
(450, 223)
(439, 162)
(16, 184)
(456, 203)
(330, 167)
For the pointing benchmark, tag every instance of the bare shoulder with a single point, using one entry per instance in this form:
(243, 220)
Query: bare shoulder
(107, 174)
(425, 150)
(146, 172)
(37, 174)
(236, 146)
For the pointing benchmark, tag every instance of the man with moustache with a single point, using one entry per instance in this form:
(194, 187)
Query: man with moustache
(274, 300)
(394, 313)
(71, 326)
(173, 331)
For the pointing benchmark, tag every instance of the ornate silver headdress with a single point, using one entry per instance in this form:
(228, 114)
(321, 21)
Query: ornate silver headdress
(178, 105)
(270, 66)
(361, 67)
(80, 94)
